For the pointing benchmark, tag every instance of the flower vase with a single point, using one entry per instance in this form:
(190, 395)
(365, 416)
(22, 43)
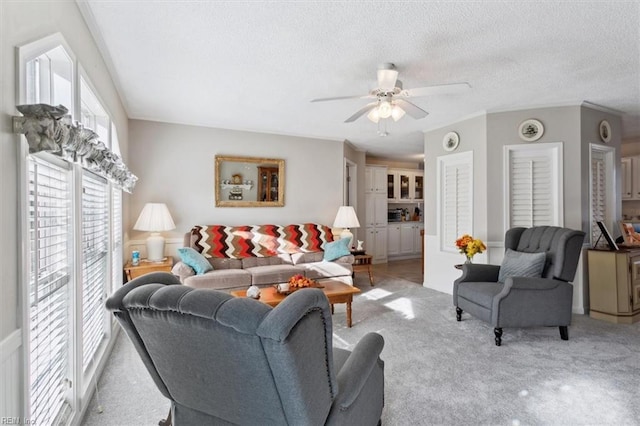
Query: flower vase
(468, 261)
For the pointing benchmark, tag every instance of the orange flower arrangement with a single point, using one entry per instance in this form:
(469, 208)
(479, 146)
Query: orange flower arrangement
(470, 246)
(300, 281)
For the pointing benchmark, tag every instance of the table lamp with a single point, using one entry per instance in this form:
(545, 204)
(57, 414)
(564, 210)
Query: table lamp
(155, 218)
(346, 218)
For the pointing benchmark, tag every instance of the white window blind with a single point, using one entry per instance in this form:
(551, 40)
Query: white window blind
(116, 238)
(455, 173)
(95, 249)
(534, 195)
(49, 227)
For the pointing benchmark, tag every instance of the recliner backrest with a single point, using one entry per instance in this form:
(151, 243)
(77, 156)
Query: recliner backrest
(562, 246)
(235, 358)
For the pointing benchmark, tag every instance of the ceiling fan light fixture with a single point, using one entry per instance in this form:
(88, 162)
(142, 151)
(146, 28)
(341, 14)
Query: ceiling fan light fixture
(373, 115)
(397, 113)
(384, 109)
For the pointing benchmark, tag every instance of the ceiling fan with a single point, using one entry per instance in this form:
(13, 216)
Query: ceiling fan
(391, 98)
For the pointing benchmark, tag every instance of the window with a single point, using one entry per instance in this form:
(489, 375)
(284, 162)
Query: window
(72, 222)
(533, 176)
(455, 198)
(602, 188)
(50, 289)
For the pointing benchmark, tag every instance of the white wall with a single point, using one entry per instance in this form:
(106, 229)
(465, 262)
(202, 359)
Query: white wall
(22, 23)
(575, 126)
(175, 165)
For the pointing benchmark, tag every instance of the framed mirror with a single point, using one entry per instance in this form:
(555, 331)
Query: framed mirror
(249, 182)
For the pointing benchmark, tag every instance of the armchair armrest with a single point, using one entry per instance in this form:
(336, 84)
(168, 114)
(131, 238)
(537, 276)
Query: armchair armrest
(357, 369)
(472, 272)
(528, 283)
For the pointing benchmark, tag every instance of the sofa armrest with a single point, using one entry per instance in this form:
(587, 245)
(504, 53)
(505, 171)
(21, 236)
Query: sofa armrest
(528, 283)
(356, 370)
(476, 272)
(182, 270)
(346, 259)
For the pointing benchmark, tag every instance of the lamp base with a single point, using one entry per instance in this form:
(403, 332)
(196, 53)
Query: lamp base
(155, 247)
(346, 234)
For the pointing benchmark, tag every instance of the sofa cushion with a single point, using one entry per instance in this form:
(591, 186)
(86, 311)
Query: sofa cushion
(319, 270)
(521, 264)
(251, 262)
(195, 260)
(315, 256)
(221, 279)
(272, 274)
(225, 263)
(336, 249)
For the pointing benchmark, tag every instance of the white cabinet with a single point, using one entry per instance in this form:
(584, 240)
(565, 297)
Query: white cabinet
(631, 178)
(376, 243)
(375, 210)
(375, 180)
(404, 239)
(408, 185)
(393, 239)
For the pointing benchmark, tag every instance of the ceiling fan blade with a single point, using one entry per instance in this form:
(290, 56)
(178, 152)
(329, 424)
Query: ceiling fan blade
(387, 76)
(436, 90)
(337, 98)
(411, 109)
(362, 111)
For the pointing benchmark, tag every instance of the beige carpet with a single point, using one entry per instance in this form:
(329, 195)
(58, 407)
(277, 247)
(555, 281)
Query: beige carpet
(442, 372)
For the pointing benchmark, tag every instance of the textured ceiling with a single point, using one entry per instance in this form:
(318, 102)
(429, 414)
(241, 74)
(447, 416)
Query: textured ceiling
(256, 65)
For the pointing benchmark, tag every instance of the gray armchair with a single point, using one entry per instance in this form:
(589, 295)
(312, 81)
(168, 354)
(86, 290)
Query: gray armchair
(521, 301)
(222, 360)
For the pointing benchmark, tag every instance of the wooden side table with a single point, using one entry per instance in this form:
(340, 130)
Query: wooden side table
(362, 263)
(145, 266)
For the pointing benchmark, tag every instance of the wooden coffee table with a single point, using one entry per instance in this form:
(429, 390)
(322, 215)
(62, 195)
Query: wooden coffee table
(336, 292)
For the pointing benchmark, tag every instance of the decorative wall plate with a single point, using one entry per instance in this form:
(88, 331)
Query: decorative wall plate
(450, 141)
(605, 131)
(530, 130)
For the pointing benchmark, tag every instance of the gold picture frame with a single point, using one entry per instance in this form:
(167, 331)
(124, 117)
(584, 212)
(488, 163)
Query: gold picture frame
(249, 181)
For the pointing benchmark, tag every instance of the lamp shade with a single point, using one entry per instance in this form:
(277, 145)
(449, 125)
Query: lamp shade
(155, 217)
(346, 218)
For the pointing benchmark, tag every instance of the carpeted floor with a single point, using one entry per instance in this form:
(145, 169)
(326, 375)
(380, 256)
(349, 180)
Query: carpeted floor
(442, 372)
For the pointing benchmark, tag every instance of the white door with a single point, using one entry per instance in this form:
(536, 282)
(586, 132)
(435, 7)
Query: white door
(393, 240)
(406, 238)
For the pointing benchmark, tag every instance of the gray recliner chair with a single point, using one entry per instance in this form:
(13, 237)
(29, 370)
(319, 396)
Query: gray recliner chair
(223, 360)
(521, 301)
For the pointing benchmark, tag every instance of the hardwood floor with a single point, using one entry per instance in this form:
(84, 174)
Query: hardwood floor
(410, 270)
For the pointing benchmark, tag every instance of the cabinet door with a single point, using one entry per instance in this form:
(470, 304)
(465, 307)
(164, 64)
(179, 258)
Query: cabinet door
(406, 239)
(634, 263)
(627, 178)
(380, 210)
(380, 180)
(635, 177)
(368, 180)
(381, 244)
(404, 192)
(392, 186)
(418, 187)
(417, 239)
(393, 240)
(369, 210)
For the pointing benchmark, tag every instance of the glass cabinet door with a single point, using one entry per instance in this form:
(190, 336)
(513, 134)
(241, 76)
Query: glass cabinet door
(404, 186)
(391, 186)
(418, 187)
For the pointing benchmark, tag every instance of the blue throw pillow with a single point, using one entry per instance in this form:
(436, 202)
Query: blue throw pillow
(336, 249)
(192, 258)
(521, 264)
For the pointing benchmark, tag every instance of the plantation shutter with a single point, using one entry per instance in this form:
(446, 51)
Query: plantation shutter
(534, 197)
(116, 238)
(49, 258)
(95, 240)
(598, 191)
(456, 191)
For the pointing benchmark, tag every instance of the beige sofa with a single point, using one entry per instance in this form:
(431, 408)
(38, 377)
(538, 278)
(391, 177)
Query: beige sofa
(261, 255)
